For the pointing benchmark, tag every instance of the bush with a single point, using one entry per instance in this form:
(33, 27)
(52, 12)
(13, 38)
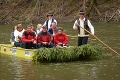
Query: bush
(84, 52)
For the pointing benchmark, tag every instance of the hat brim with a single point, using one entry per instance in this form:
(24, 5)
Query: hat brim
(49, 15)
(81, 13)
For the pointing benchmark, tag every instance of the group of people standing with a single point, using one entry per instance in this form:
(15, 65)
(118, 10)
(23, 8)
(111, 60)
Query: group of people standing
(49, 35)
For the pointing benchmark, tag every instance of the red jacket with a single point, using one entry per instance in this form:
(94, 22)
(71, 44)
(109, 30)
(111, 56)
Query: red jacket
(44, 37)
(28, 36)
(60, 38)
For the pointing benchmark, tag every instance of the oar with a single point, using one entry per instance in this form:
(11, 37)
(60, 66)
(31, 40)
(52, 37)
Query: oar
(100, 40)
(77, 37)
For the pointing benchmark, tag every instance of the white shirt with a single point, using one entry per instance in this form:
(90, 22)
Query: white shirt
(17, 33)
(82, 32)
(39, 30)
(49, 22)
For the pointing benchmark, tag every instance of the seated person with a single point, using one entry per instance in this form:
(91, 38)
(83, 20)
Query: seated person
(12, 37)
(39, 28)
(53, 30)
(29, 38)
(60, 38)
(44, 39)
(33, 28)
(18, 34)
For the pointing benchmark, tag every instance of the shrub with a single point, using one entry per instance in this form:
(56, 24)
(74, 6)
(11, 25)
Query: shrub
(84, 52)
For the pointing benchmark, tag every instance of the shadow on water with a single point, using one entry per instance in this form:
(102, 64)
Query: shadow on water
(14, 68)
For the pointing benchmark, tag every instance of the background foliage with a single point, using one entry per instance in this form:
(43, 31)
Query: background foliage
(35, 11)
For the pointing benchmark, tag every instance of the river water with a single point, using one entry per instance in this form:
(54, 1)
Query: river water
(108, 68)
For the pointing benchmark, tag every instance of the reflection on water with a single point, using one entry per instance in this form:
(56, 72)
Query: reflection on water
(14, 68)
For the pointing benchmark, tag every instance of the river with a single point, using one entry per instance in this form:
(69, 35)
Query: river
(108, 68)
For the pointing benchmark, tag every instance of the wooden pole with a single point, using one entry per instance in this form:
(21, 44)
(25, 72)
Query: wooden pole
(77, 37)
(100, 40)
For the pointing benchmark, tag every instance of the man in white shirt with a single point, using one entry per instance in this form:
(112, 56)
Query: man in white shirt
(84, 23)
(18, 34)
(49, 21)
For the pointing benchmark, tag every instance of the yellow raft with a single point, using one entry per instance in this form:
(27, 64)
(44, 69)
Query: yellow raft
(16, 51)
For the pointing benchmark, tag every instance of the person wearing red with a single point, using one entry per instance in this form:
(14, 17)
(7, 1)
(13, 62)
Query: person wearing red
(44, 39)
(29, 38)
(60, 38)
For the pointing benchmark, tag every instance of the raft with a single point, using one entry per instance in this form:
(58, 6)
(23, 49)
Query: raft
(16, 51)
(73, 53)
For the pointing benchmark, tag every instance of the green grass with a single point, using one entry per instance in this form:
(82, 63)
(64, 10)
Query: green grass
(84, 52)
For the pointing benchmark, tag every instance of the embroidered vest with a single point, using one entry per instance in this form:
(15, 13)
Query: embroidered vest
(47, 22)
(85, 26)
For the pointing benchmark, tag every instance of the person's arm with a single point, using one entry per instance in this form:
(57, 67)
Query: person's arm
(50, 38)
(15, 33)
(74, 26)
(35, 39)
(38, 39)
(44, 23)
(66, 39)
(56, 39)
(91, 27)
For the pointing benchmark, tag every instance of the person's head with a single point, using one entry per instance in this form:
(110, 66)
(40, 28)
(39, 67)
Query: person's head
(19, 27)
(32, 26)
(29, 28)
(53, 25)
(81, 14)
(44, 29)
(50, 15)
(60, 30)
(39, 26)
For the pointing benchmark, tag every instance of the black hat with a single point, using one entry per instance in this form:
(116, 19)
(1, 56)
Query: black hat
(50, 14)
(82, 12)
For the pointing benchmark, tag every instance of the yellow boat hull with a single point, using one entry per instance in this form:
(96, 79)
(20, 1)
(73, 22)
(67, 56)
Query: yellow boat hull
(16, 51)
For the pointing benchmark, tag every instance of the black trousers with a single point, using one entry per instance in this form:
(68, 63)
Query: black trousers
(82, 40)
(29, 45)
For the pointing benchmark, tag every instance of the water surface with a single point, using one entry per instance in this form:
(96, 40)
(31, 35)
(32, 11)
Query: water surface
(14, 68)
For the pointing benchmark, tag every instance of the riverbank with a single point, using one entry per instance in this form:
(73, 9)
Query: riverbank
(35, 11)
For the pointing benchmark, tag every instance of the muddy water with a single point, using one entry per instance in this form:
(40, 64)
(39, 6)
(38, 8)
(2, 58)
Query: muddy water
(14, 68)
